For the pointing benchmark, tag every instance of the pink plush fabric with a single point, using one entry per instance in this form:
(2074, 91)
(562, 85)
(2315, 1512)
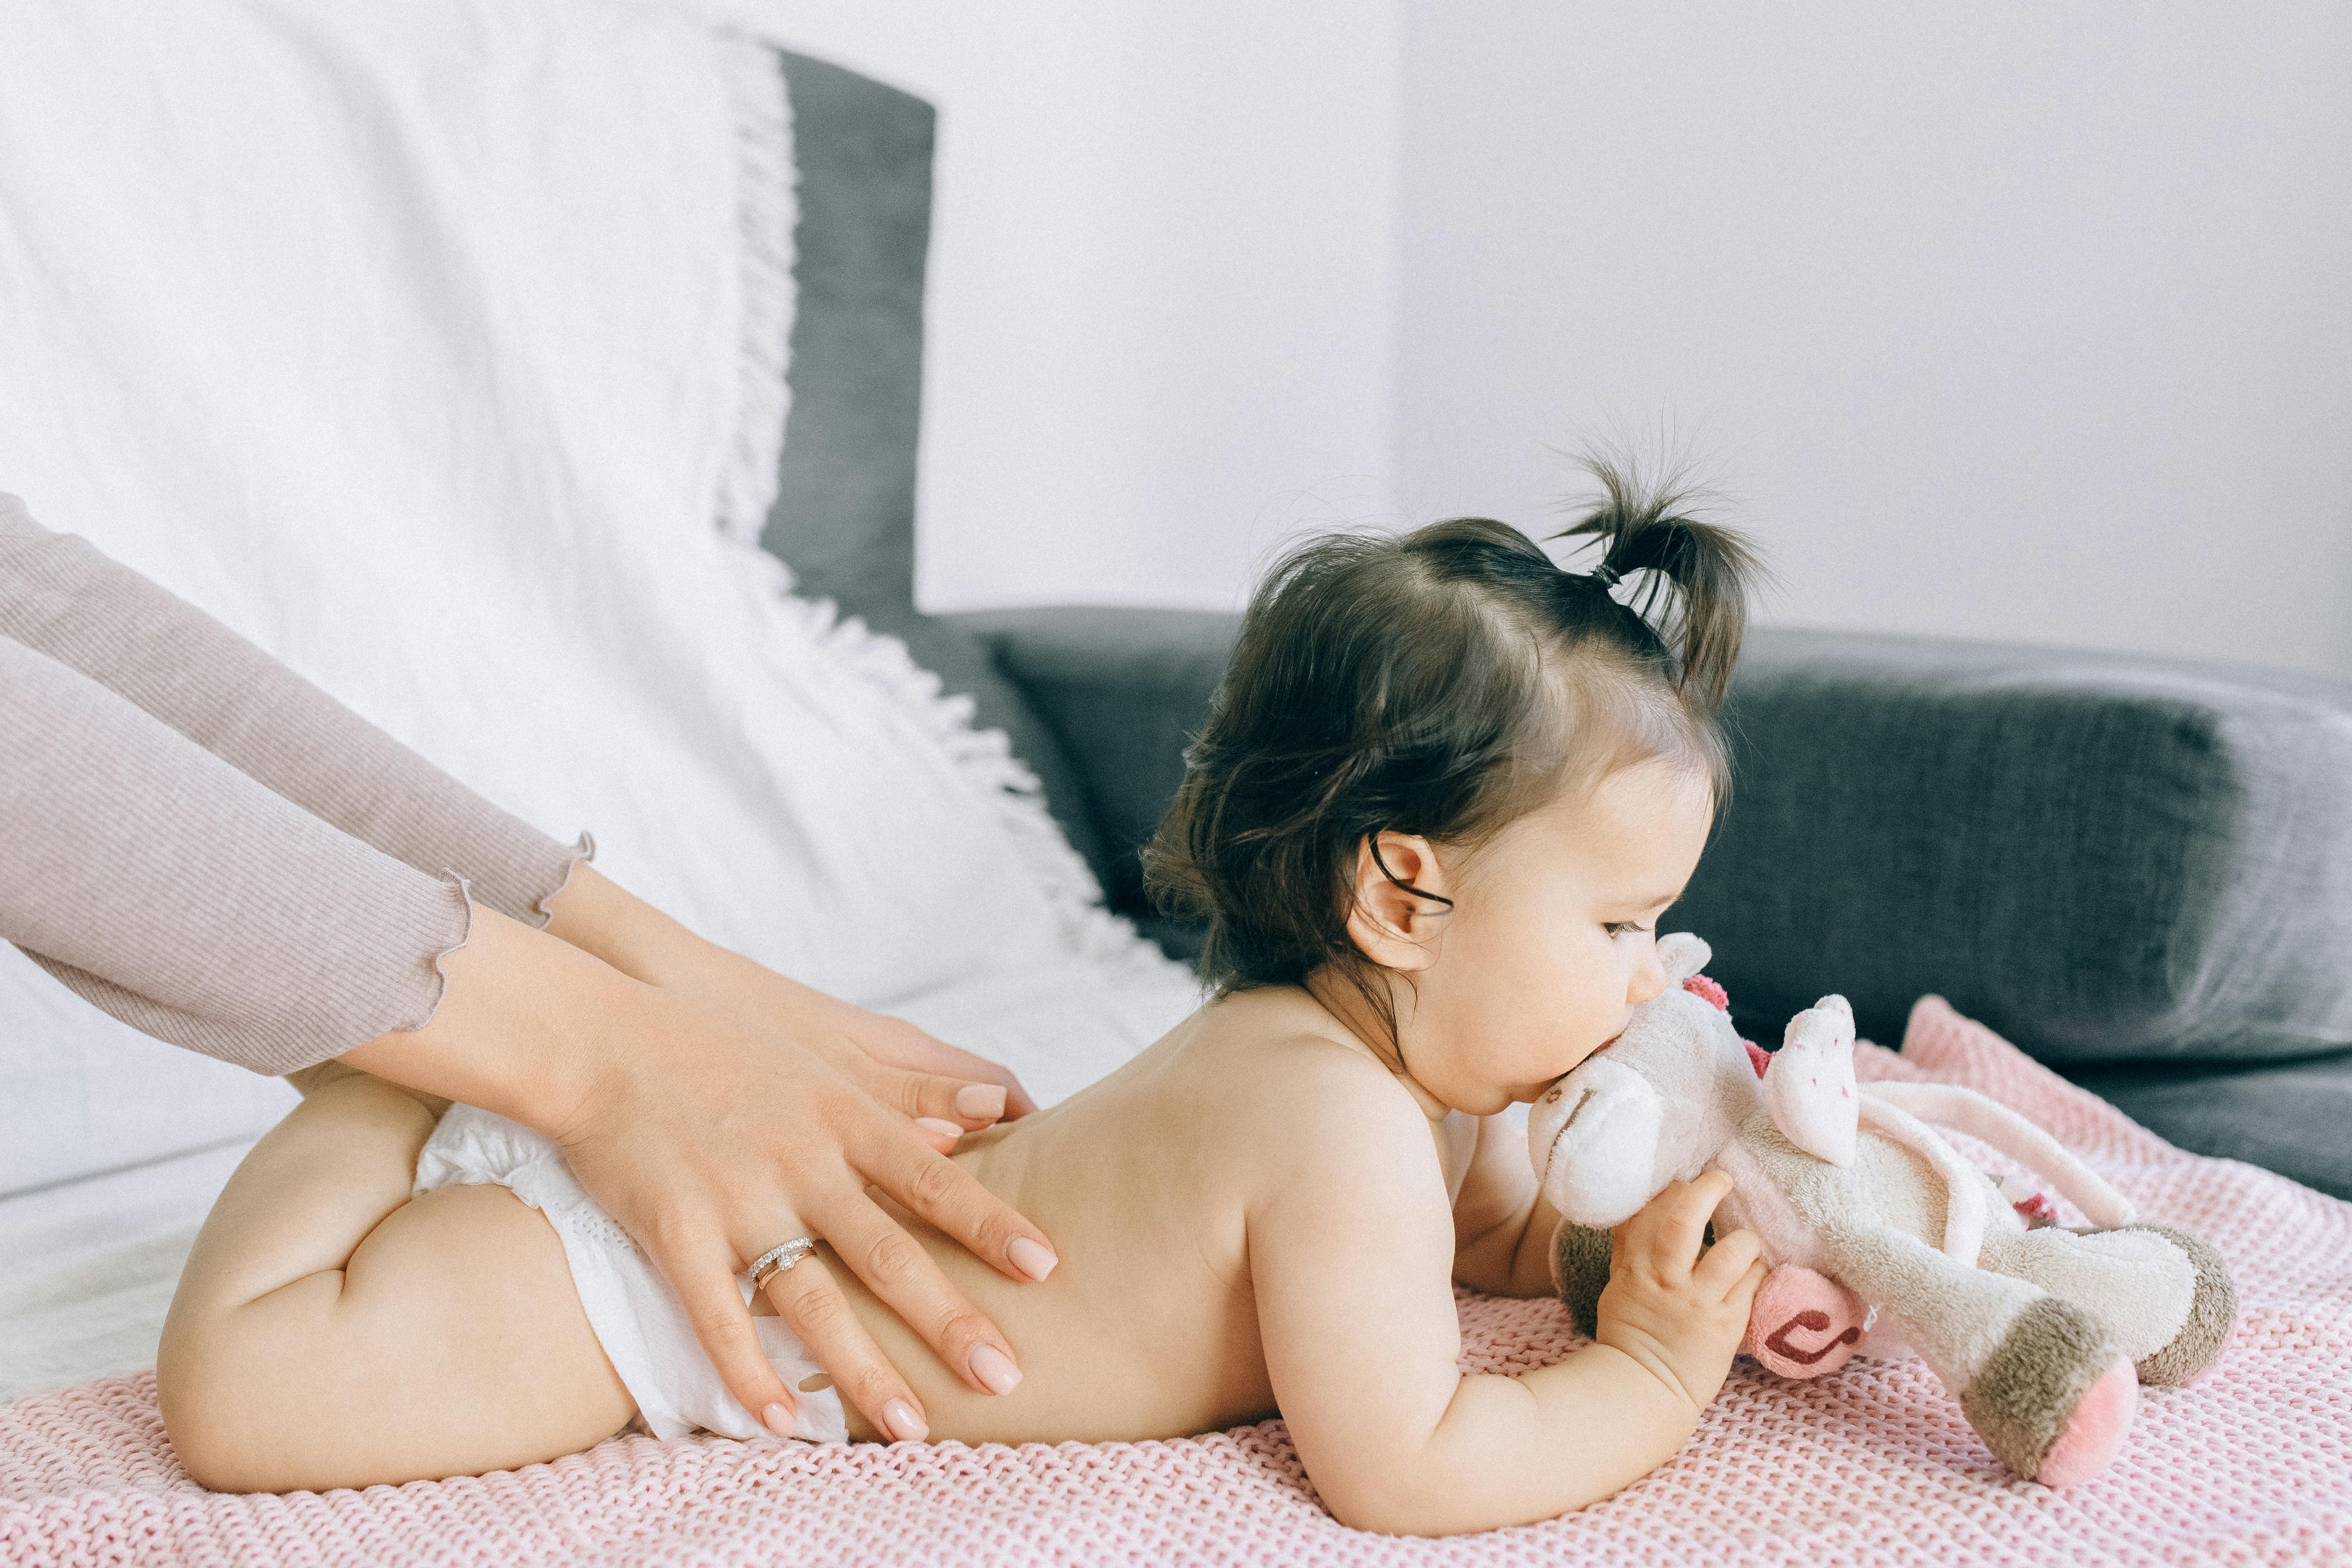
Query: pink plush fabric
(2102, 1424)
(1874, 1464)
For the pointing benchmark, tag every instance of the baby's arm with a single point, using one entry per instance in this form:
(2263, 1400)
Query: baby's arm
(1350, 1252)
(1503, 1224)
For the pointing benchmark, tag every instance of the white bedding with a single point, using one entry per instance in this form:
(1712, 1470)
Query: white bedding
(91, 1266)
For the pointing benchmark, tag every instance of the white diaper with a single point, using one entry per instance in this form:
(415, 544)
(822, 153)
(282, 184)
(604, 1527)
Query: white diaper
(637, 1317)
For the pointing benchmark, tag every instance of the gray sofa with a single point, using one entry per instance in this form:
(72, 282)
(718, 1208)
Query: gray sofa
(2139, 871)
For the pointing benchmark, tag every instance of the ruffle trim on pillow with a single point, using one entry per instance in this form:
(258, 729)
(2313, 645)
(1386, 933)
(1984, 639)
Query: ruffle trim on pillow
(982, 758)
(766, 181)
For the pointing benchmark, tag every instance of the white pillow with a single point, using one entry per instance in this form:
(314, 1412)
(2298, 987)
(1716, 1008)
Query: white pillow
(84, 1093)
(432, 365)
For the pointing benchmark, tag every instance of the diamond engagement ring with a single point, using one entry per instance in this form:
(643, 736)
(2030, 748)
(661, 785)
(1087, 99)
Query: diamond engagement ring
(776, 1259)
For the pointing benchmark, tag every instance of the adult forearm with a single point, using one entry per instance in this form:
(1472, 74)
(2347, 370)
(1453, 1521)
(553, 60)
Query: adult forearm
(599, 917)
(180, 895)
(68, 601)
(607, 921)
(525, 1028)
(894, 1061)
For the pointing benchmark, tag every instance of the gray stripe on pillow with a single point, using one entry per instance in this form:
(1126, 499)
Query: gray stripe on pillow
(844, 516)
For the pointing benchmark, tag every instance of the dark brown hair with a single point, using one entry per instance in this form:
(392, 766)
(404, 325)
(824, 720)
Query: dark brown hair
(1441, 683)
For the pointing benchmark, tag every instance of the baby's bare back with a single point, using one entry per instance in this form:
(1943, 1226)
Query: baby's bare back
(1149, 1327)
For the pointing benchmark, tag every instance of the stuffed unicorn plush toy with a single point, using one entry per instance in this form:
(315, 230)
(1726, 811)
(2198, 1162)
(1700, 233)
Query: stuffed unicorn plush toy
(1877, 1235)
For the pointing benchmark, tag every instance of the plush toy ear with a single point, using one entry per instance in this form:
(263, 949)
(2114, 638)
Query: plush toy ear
(1809, 1089)
(1593, 1137)
(1681, 956)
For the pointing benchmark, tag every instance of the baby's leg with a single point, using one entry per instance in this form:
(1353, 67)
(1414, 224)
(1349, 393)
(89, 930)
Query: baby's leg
(329, 1333)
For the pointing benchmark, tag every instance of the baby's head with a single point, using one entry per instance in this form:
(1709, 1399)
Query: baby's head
(1448, 787)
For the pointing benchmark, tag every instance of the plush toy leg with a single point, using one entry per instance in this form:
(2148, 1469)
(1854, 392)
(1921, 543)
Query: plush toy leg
(1803, 1325)
(2037, 1377)
(2094, 1433)
(2213, 1317)
(2164, 1296)
(1579, 1272)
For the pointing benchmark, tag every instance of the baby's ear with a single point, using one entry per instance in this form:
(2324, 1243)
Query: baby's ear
(1402, 894)
(1681, 956)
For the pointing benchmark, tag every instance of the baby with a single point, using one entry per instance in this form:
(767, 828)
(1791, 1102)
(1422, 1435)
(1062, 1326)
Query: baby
(1445, 792)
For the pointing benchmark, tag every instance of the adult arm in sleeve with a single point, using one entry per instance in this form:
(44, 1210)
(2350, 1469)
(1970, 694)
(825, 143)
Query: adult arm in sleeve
(265, 862)
(189, 901)
(61, 597)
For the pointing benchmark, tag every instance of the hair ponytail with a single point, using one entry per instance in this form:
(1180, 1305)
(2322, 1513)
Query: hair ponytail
(1642, 527)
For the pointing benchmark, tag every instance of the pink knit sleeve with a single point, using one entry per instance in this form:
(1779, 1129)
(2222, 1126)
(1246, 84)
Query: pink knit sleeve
(191, 902)
(61, 597)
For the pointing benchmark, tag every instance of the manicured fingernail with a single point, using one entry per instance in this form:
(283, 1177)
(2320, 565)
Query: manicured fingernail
(946, 1130)
(1031, 1258)
(994, 1368)
(981, 1100)
(898, 1419)
(777, 1419)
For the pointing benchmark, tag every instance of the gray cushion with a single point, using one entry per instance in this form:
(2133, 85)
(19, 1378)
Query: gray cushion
(2294, 1117)
(2122, 751)
(2105, 858)
(843, 517)
(1125, 690)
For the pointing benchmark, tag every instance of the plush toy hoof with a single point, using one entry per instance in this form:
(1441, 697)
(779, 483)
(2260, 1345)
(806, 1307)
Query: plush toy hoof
(2212, 1315)
(1803, 1323)
(2055, 1399)
(2095, 1433)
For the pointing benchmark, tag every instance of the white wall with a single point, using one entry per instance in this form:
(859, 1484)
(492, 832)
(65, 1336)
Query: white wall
(2013, 319)
(2017, 320)
(1160, 307)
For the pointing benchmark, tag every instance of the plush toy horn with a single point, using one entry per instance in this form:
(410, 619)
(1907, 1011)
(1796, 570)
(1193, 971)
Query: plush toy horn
(1809, 1089)
(1682, 954)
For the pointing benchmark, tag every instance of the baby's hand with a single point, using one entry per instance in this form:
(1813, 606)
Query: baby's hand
(1679, 1311)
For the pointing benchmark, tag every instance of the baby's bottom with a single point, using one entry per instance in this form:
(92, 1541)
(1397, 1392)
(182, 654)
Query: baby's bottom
(329, 1332)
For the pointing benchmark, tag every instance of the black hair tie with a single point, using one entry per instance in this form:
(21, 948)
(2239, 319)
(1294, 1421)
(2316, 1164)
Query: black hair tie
(1608, 576)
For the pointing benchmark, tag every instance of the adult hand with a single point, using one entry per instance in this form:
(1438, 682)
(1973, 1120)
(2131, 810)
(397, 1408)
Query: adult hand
(710, 1142)
(901, 1066)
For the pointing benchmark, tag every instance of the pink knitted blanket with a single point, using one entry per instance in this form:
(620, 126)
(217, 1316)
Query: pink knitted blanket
(1870, 1464)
